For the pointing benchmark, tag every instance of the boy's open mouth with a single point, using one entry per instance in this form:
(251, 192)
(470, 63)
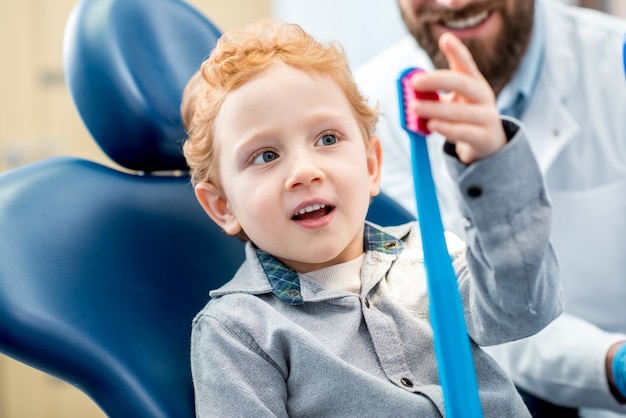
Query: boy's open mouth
(312, 212)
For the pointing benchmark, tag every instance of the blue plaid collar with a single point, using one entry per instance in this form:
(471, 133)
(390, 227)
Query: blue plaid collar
(285, 282)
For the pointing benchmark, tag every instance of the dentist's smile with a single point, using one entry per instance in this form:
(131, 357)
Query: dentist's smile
(466, 23)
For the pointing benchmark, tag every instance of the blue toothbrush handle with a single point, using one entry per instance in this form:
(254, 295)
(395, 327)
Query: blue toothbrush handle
(452, 344)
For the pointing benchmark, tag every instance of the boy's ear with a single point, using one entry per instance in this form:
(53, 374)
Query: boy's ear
(374, 163)
(216, 206)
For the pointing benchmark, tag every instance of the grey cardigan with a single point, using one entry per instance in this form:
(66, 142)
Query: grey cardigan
(340, 354)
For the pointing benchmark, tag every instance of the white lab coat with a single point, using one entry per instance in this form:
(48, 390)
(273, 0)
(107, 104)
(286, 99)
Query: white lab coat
(576, 123)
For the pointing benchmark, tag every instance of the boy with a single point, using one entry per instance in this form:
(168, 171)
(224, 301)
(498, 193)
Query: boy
(328, 315)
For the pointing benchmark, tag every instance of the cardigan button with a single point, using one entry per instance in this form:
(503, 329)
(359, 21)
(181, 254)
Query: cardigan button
(367, 303)
(474, 191)
(406, 382)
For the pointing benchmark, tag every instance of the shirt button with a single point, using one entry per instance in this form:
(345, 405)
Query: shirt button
(391, 245)
(406, 382)
(474, 191)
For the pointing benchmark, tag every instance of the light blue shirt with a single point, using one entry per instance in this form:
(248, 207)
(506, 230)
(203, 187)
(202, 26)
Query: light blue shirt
(515, 96)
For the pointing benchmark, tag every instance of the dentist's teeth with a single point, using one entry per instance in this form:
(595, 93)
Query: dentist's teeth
(467, 23)
(311, 208)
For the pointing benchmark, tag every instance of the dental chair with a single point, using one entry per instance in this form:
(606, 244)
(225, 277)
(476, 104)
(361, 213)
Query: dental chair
(102, 268)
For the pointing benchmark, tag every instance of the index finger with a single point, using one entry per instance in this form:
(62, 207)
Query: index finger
(459, 57)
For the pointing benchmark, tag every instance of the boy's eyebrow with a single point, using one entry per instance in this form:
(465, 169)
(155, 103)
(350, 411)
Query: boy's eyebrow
(252, 137)
(317, 119)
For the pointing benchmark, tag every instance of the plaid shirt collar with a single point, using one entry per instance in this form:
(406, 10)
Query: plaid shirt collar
(285, 282)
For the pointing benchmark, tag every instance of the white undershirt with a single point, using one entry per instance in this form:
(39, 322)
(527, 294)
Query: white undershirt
(344, 276)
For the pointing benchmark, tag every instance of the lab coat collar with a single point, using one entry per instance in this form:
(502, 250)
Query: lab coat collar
(549, 123)
(560, 66)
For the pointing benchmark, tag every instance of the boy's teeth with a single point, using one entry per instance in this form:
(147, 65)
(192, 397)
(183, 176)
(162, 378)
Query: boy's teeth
(311, 208)
(467, 23)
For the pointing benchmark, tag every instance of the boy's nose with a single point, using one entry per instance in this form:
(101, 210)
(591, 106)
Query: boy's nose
(303, 172)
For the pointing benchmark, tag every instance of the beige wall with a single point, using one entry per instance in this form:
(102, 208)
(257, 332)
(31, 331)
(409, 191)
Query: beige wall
(228, 14)
(38, 120)
(37, 117)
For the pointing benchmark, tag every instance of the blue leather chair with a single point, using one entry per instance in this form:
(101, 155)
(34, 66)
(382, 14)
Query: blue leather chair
(102, 269)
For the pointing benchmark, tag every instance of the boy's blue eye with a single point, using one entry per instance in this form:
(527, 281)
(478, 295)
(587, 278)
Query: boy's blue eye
(327, 139)
(265, 157)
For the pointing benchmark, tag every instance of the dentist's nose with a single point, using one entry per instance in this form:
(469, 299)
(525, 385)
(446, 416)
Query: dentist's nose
(303, 172)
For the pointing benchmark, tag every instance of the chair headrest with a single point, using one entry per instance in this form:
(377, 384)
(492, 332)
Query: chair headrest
(126, 65)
